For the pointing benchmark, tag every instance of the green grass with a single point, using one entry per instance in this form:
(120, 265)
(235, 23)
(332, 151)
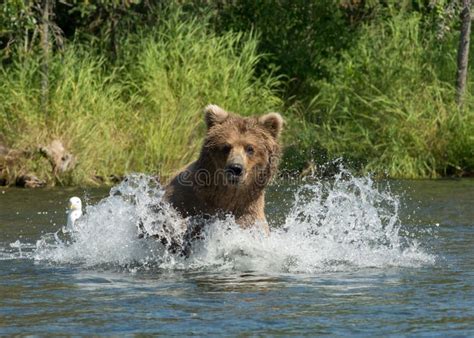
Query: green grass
(141, 114)
(178, 70)
(386, 109)
(386, 102)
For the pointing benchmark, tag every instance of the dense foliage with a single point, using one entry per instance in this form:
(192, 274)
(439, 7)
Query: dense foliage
(371, 82)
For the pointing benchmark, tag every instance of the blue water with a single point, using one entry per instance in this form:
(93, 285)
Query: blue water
(352, 257)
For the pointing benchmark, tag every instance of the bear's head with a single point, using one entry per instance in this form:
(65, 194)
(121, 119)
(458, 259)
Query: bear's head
(240, 152)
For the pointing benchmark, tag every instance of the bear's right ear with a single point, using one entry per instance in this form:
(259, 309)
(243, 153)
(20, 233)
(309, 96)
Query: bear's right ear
(214, 115)
(273, 122)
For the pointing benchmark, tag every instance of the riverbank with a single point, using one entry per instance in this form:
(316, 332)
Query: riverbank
(14, 169)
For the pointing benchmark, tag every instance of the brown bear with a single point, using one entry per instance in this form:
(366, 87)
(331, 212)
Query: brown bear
(237, 160)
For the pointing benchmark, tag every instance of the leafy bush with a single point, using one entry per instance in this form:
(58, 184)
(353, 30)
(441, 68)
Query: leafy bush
(386, 108)
(143, 113)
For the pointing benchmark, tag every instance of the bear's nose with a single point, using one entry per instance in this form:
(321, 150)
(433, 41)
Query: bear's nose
(235, 169)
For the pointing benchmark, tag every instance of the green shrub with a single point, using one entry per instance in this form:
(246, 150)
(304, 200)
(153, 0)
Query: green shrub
(385, 107)
(84, 105)
(142, 113)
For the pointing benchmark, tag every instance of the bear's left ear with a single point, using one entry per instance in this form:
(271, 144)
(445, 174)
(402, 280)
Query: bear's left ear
(273, 122)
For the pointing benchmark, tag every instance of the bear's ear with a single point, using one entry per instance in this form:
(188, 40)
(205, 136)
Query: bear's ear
(273, 122)
(214, 115)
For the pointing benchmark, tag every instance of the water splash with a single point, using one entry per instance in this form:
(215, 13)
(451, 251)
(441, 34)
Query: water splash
(345, 223)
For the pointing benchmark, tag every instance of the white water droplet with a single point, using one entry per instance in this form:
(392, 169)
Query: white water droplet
(342, 224)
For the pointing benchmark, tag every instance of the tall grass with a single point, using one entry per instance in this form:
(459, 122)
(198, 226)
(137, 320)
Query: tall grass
(179, 69)
(386, 108)
(141, 114)
(385, 103)
(85, 103)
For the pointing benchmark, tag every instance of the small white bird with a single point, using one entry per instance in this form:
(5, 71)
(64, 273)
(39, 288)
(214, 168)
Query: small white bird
(74, 213)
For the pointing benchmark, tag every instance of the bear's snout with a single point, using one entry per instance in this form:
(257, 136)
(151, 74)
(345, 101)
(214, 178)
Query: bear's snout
(235, 170)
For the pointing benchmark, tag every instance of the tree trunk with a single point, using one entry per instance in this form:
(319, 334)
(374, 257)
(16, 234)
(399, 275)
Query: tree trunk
(463, 51)
(113, 35)
(45, 46)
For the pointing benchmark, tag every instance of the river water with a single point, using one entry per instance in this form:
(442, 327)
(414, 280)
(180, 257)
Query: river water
(345, 256)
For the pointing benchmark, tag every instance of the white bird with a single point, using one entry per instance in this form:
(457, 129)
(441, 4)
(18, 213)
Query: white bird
(74, 213)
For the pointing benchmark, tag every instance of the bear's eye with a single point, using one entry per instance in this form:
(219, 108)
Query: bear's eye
(226, 148)
(249, 150)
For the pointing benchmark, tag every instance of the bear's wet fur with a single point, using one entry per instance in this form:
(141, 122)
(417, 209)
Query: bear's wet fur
(238, 158)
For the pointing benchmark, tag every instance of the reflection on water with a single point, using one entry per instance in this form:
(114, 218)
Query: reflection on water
(376, 264)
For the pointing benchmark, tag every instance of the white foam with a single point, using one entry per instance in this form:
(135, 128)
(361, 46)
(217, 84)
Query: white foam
(345, 223)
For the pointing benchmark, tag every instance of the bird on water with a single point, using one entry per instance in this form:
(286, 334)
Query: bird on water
(74, 213)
